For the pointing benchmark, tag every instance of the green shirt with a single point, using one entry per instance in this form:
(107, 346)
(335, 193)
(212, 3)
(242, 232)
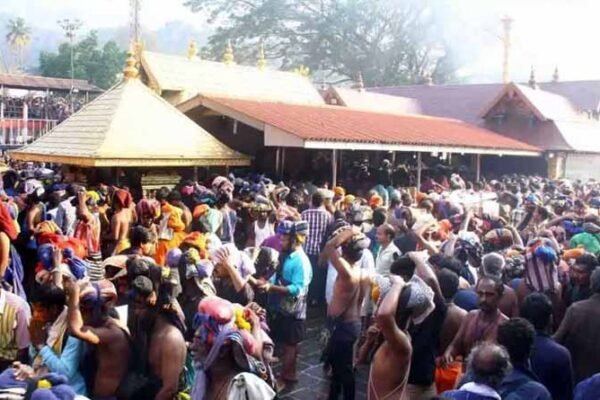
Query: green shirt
(589, 241)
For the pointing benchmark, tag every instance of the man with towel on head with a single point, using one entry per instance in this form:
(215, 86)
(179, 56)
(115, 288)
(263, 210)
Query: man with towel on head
(106, 361)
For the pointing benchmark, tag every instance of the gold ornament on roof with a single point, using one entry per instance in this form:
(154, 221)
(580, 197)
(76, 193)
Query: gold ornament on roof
(192, 50)
(262, 59)
(532, 81)
(228, 57)
(302, 71)
(130, 71)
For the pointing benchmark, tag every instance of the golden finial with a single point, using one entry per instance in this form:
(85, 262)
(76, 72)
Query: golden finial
(532, 82)
(130, 71)
(360, 84)
(228, 58)
(555, 76)
(302, 71)
(192, 50)
(262, 59)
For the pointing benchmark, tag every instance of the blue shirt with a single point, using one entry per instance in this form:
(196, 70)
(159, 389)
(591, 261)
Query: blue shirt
(67, 363)
(297, 271)
(522, 384)
(551, 362)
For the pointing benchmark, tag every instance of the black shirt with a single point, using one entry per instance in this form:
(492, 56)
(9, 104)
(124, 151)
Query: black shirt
(424, 339)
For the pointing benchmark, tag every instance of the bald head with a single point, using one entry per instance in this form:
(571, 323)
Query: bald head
(489, 364)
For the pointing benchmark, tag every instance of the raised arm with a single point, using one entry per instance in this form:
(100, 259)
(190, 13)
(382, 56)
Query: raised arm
(330, 252)
(74, 319)
(386, 320)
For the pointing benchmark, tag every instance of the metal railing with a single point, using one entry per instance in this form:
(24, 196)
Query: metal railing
(18, 132)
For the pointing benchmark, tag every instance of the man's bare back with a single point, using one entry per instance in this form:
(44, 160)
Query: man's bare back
(389, 373)
(167, 357)
(454, 318)
(113, 359)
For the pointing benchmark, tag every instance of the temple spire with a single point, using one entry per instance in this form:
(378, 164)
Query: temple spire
(130, 71)
(555, 76)
(228, 57)
(532, 82)
(360, 84)
(262, 59)
(192, 50)
(302, 71)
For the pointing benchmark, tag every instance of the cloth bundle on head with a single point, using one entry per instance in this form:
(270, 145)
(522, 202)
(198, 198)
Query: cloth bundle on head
(292, 228)
(148, 208)
(198, 241)
(540, 269)
(100, 292)
(200, 210)
(498, 239)
(72, 266)
(590, 227)
(218, 323)
(238, 259)
(339, 191)
(492, 264)
(122, 198)
(420, 299)
(222, 185)
(375, 201)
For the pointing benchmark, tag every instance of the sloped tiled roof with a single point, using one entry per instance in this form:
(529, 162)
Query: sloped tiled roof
(35, 82)
(130, 125)
(342, 124)
(546, 105)
(210, 78)
(364, 100)
(464, 102)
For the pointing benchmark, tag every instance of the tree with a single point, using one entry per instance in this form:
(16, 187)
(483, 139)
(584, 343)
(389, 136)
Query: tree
(18, 37)
(388, 41)
(99, 65)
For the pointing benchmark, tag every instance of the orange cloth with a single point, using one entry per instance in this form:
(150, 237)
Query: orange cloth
(573, 253)
(375, 201)
(200, 210)
(447, 378)
(7, 224)
(198, 241)
(175, 223)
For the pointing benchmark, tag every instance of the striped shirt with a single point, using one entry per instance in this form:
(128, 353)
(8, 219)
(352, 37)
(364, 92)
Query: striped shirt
(14, 321)
(318, 219)
(540, 276)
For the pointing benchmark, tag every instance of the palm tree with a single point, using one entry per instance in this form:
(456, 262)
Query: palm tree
(18, 37)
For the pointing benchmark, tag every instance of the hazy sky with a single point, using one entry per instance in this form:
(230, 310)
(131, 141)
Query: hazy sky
(547, 33)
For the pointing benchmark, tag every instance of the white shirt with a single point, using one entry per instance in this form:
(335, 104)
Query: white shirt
(385, 258)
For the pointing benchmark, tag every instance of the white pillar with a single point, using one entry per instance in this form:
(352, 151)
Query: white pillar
(277, 161)
(477, 167)
(25, 130)
(334, 168)
(418, 171)
(282, 162)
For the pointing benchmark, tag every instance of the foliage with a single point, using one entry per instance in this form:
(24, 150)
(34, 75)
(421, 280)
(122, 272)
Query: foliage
(99, 65)
(388, 41)
(18, 36)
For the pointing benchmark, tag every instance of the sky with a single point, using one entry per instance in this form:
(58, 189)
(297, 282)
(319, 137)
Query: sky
(547, 33)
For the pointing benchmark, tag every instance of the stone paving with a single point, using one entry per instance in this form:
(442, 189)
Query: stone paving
(312, 382)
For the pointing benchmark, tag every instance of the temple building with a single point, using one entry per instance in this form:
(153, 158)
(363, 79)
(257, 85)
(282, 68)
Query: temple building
(561, 118)
(282, 120)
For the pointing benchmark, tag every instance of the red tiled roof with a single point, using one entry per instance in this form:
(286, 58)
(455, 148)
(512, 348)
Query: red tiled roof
(35, 82)
(342, 124)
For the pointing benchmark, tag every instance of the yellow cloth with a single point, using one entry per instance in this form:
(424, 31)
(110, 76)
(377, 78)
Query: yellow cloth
(175, 223)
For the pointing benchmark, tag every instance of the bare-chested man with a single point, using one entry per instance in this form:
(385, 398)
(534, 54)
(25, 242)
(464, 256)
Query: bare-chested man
(391, 363)
(120, 221)
(479, 325)
(344, 309)
(449, 283)
(88, 319)
(157, 337)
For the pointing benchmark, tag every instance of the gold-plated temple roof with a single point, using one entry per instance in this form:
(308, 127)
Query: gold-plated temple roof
(130, 125)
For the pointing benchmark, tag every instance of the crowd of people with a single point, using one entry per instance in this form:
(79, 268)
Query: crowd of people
(453, 291)
(39, 107)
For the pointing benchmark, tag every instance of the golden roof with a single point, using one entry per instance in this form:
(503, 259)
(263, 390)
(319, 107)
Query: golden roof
(209, 78)
(129, 125)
